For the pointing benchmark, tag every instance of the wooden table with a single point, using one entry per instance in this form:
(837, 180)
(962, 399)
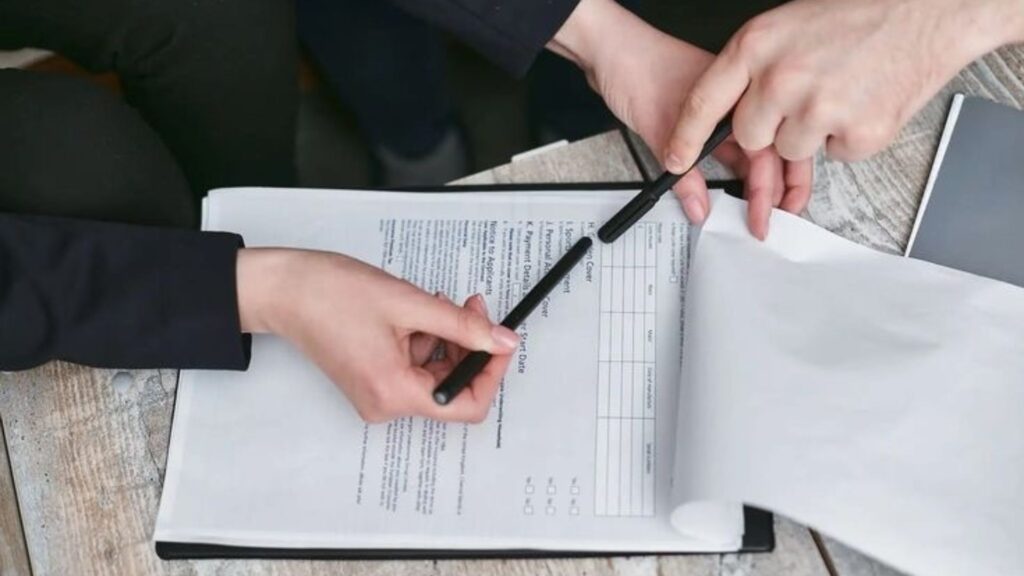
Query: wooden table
(85, 449)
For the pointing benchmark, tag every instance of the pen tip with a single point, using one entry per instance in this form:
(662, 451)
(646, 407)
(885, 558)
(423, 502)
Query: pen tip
(441, 398)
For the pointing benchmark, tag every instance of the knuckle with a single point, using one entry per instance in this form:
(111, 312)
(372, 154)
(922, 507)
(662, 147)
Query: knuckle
(820, 111)
(778, 82)
(874, 135)
(864, 140)
(749, 138)
(379, 395)
(788, 150)
(479, 415)
(795, 146)
(695, 105)
(750, 40)
(744, 137)
(836, 149)
(468, 322)
(370, 414)
(685, 146)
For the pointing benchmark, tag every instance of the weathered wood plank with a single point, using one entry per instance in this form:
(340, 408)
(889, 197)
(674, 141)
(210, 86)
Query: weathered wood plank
(602, 158)
(88, 449)
(13, 554)
(848, 561)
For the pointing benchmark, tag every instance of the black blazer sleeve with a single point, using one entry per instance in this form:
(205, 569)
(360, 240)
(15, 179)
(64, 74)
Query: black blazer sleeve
(112, 295)
(509, 32)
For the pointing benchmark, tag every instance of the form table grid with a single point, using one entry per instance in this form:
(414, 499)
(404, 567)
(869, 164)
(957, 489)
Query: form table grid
(624, 471)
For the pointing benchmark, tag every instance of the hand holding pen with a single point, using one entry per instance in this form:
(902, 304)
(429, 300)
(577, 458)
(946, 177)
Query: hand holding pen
(464, 373)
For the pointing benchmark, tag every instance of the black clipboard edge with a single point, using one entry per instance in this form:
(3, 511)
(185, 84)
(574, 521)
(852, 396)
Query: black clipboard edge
(759, 529)
(758, 537)
(731, 187)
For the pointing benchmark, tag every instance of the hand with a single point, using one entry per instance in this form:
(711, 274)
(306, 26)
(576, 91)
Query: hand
(644, 76)
(845, 75)
(373, 335)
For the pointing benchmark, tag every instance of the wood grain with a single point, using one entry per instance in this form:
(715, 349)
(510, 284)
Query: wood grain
(602, 158)
(13, 554)
(846, 560)
(87, 452)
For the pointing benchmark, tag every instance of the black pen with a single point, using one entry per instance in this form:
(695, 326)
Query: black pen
(472, 364)
(643, 202)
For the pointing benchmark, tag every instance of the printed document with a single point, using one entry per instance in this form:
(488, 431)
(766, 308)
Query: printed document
(577, 451)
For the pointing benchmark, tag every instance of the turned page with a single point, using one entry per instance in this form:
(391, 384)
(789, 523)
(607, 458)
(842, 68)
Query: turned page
(874, 397)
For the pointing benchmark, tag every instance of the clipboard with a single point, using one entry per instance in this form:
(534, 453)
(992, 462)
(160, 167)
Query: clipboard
(759, 533)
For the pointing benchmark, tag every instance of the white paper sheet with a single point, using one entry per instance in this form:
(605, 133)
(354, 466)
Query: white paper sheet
(576, 453)
(876, 398)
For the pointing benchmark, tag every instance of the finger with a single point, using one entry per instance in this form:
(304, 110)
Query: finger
(692, 192)
(797, 140)
(756, 120)
(858, 142)
(453, 353)
(456, 324)
(710, 99)
(439, 368)
(780, 186)
(764, 179)
(472, 404)
(799, 178)
(476, 303)
(732, 156)
(422, 347)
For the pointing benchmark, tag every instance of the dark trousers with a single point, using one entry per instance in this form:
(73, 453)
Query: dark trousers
(210, 99)
(389, 69)
(384, 65)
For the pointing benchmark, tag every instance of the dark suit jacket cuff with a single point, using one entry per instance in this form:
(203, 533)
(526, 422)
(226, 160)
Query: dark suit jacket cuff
(200, 303)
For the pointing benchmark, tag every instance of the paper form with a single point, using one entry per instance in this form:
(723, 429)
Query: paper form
(576, 452)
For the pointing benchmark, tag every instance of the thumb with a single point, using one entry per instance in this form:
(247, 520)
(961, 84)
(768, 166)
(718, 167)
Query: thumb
(692, 191)
(709, 100)
(462, 325)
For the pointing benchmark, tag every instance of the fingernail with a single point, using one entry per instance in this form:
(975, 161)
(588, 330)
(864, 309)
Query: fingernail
(694, 209)
(505, 337)
(443, 296)
(760, 232)
(674, 164)
(483, 304)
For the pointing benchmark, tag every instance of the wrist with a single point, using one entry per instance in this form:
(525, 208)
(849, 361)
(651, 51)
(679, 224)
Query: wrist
(1011, 15)
(261, 275)
(590, 29)
(572, 41)
(994, 23)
